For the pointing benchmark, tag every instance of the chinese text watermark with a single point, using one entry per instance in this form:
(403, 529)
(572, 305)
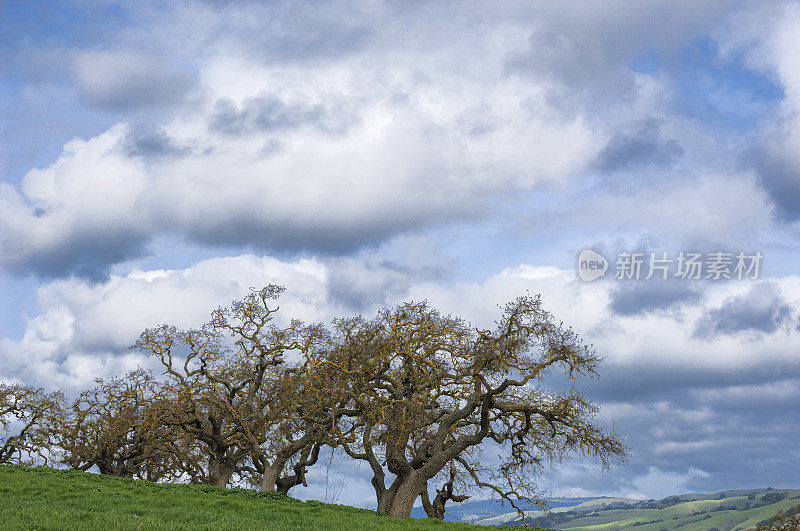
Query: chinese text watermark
(685, 265)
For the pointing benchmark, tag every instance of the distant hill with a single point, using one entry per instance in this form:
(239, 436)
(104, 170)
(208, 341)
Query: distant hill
(495, 512)
(729, 510)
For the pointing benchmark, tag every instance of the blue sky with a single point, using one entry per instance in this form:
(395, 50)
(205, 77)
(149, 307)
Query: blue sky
(157, 159)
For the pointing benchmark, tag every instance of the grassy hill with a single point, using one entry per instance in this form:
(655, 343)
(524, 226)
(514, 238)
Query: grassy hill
(588, 506)
(44, 498)
(727, 510)
(495, 512)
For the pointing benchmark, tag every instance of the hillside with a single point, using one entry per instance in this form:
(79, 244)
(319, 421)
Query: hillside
(44, 498)
(494, 511)
(727, 510)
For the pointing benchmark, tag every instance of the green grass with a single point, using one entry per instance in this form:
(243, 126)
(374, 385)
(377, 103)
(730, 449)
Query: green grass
(44, 498)
(688, 516)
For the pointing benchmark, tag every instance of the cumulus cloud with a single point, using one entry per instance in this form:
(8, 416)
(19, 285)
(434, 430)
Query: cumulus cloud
(78, 215)
(653, 295)
(282, 158)
(762, 309)
(83, 329)
(77, 317)
(281, 151)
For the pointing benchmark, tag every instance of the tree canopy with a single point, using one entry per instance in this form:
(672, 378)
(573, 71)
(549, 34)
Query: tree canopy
(428, 393)
(26, 413)
(422, 398)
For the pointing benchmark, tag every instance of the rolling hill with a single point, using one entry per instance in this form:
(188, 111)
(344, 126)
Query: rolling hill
(731, 510)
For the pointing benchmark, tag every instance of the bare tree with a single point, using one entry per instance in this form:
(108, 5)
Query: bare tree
(428, 391)
(28, 411)
(234, 392)
(416, 395)
(118, 427)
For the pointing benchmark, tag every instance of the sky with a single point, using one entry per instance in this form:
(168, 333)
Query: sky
(157, 160)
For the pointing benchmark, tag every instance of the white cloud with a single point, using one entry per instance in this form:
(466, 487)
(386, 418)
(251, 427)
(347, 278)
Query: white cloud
(78, 319)
(410, 149)
(81, 208)
(83, 330)
(332, 155)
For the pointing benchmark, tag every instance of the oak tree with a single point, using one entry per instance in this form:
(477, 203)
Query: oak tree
(237, 395)
(25, 414)
(117, 426)
(428, 392)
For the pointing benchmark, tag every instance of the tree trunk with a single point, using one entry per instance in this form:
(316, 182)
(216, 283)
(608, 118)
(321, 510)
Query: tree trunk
(438, 506)
(268, 478)
(426, 503)
(443, 495)
(219, 472)
(387, 497)
(406, 495)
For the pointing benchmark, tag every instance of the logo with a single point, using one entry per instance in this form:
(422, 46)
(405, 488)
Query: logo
(591, 265)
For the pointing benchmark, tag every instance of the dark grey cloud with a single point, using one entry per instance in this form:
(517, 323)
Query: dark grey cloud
(762, 309)
(579, 71)
(248, 231)
(680, 418)
(584, 56)
(779, 176)
(362, 287)
(269, 114)
(649, 296)
(652, 377)
(89, 256)
(644, 147)
(149, 143)
(690, 424)
(676, 437)
(127, 81)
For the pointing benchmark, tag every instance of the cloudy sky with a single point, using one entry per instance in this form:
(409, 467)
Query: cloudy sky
(158, 159)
